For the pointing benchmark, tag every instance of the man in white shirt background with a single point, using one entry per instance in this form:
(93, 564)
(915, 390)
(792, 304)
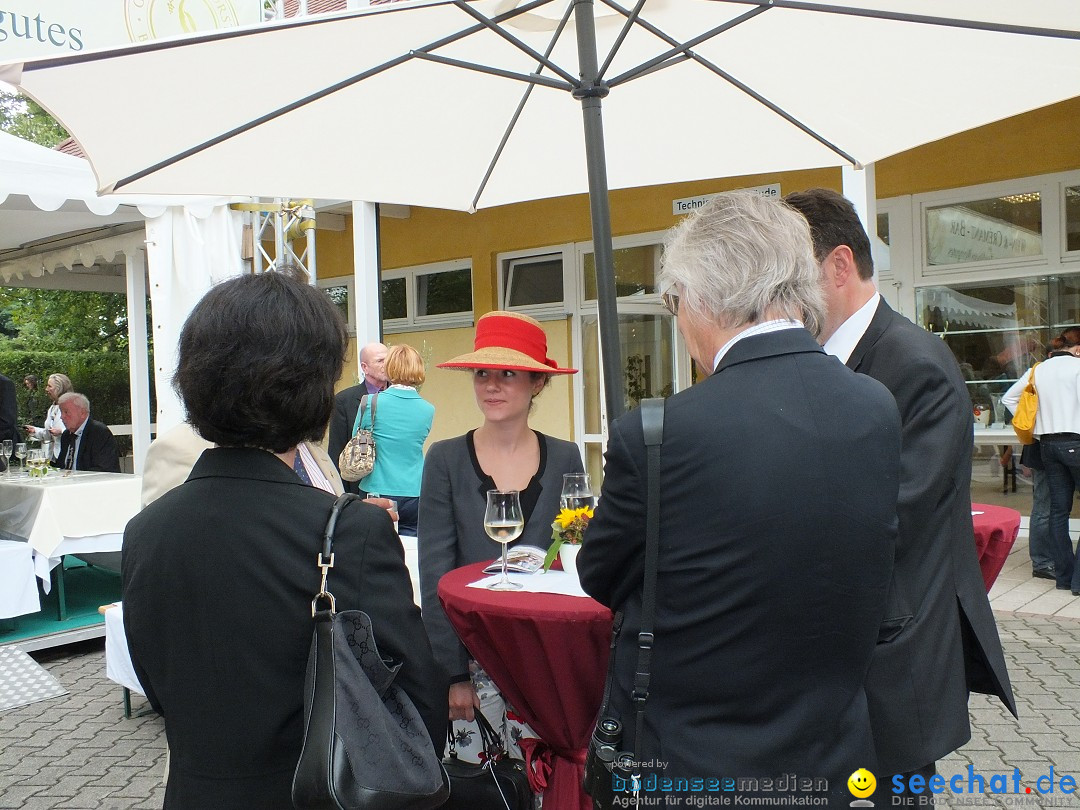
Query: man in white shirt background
(85, 444)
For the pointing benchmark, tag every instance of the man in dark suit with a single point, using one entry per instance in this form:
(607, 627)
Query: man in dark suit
(777, 522)
(939, 641)
(8, 411)
(85, 444)
(347, 403)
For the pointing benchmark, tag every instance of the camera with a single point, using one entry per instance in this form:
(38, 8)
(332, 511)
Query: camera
(604, 760)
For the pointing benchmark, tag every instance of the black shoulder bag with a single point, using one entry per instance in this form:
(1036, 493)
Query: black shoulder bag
(365, 744)
(610, 771)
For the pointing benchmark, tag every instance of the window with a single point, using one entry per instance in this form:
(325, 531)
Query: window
(339, 291)
(1009, 226)
(636, 269)
(1072, 218)
(534, 281)
(538, 282)
(432, 296)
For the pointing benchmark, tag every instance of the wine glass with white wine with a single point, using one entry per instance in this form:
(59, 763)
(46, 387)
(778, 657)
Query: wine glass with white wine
(503, 522)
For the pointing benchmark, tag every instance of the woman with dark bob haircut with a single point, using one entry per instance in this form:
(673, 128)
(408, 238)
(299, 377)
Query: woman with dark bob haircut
(219, 573)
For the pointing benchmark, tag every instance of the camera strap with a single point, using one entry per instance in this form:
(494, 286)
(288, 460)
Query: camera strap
(652, 426)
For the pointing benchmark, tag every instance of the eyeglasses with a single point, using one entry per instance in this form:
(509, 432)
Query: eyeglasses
(671, 302)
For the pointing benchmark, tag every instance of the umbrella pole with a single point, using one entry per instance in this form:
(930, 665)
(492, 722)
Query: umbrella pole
(590, 94)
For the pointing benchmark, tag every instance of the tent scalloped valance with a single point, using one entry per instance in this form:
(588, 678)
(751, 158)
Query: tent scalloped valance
(86, 254)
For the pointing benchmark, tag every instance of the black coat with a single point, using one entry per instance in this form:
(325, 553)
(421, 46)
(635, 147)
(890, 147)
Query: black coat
(779, 477)
(97, 450)
(941, 640)
(218, 578)
(346, 404)
(8, 410)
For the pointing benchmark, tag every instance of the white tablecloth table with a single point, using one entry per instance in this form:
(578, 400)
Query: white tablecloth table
(18, 589)
(68, 513)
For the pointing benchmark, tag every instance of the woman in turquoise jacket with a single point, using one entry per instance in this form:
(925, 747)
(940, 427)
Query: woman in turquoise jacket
(402, 423)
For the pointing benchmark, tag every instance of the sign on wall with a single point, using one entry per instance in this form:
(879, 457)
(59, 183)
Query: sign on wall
(685, 205)
(39, 28)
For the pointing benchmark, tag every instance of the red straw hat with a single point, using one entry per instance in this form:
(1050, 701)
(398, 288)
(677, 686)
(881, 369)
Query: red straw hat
(511, 341)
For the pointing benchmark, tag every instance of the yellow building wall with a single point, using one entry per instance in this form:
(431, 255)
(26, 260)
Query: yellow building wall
(451, 391)
(1040, 142)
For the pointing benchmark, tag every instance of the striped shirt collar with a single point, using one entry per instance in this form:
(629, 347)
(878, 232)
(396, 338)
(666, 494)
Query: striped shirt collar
(757, 329)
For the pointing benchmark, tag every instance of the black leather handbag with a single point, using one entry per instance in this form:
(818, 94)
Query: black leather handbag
(499, 783)
(365, 744)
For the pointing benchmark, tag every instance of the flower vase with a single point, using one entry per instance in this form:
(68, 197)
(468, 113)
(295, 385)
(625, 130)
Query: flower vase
(568, 557)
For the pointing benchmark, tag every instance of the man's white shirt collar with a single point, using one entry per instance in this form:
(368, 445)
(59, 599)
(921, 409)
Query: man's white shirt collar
(850, 332)
(756, 329)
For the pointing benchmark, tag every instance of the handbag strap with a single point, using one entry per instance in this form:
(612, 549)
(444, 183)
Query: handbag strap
(490, 741)
(1030, 387)
(652, 426)
(374, 400)
(326, 555)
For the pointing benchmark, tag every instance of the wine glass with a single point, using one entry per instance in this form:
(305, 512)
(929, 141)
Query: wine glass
(577, 492)
(503, 523)
(20, 453)
(8, 448)
(35, 460)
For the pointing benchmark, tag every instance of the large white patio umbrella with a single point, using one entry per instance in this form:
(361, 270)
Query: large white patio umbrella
(464, 105)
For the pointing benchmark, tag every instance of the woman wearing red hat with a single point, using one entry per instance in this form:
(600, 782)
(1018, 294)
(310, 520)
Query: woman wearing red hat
(509, 368)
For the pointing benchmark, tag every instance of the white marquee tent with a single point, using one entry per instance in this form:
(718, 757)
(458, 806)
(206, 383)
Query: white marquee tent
(56, 232)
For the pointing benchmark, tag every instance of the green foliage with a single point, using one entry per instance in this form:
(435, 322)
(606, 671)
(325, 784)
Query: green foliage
(24, 118)
(102, 376)
(65, 319)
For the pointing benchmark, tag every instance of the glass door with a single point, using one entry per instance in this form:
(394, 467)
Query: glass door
(655, 362)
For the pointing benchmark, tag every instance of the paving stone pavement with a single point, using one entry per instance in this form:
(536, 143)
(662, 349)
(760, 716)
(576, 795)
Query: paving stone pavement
(78, 752)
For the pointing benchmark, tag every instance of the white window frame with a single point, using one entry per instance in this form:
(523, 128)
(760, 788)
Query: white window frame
(413, 322)
(542, 312)
(647, 239)
(1068, 257)
(1050, 191)
(348, 283)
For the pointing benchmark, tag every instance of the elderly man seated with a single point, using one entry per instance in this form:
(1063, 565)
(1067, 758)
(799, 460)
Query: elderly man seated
(85, 444)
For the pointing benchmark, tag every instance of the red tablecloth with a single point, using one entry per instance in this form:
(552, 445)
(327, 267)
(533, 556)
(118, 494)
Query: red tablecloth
(548, 654)
(995, 532)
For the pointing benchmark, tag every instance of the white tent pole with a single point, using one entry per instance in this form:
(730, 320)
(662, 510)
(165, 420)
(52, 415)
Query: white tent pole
(138, 361)
(365, 218)
(860, 186)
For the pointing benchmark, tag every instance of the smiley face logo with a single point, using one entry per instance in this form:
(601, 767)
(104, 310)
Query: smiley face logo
(861, 783)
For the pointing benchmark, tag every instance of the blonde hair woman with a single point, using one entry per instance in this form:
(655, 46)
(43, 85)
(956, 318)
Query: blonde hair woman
(402, 423)
(56, 387)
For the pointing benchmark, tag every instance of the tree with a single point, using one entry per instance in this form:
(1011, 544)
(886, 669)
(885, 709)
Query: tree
(24, 118)
(64, 319)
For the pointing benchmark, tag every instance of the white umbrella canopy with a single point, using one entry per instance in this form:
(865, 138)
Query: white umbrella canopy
(388, 105)
(426, 133)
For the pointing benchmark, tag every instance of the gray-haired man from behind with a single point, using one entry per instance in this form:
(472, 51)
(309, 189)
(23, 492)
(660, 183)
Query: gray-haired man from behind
(776, 527)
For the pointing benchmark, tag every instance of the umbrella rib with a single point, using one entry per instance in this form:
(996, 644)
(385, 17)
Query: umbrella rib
(517, 113)
(723, 74)
(923, 19)
(652, 66)
(530, 78)
(326, 91)
(493, 26)
(678, 48)
(630, 18)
